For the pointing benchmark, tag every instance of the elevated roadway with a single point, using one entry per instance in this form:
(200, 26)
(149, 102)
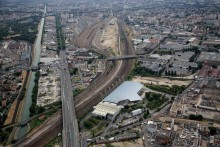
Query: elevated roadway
(70, 126)
(121, 57)
(85, 101)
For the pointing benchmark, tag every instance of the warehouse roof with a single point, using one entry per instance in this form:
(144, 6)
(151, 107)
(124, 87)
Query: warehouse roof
(126, 91)
(104, 108)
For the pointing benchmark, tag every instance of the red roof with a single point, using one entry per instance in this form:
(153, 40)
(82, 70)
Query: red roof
(214, 73)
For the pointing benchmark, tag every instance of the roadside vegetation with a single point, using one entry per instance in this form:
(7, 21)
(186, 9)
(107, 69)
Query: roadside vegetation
(55, 141)
(146, 114)
(60, 36)
(170, 73)
(196, 117)
(174, 90)
(143, 72)
(35, 109)
(77, 91)
(4, 135)
(39, 120)
(73, 71)
(95, 125)
(128, 109)
(151, 101)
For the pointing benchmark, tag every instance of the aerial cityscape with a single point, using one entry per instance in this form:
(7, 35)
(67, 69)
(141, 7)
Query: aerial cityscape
(109, 73)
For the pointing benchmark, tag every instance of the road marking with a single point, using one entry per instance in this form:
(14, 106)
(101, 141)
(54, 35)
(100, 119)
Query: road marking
(63, 94)
(67, 105)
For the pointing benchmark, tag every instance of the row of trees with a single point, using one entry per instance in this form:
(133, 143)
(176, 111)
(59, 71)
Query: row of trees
(142, 71)
(175, 89)
(59, 32)
(196, 117)
(170, 73)
(35, 109)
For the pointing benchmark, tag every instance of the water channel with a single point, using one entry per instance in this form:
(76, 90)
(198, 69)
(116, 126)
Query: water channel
(28, 100)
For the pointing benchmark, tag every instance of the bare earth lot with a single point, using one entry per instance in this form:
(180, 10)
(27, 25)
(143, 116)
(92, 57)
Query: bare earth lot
(135, 143)
(161, 81)
(109, 36)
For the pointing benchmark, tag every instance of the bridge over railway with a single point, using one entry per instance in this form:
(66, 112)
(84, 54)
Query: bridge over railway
(122, 57)
(29, 68)
(34, 68)
(25, 122)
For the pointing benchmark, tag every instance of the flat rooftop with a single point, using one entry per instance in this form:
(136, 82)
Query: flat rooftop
(126, 91)
(104, 108)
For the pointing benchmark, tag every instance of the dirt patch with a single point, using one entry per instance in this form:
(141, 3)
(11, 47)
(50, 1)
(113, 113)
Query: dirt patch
(11, 113)
(109, 37)
(135, 143)
(129, 33)
(161, 81)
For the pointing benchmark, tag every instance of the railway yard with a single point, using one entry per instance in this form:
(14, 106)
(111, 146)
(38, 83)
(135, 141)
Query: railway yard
(114, 78)
(113, 73)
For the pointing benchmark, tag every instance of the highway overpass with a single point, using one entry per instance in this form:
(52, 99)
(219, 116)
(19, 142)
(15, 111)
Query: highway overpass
(121, 57)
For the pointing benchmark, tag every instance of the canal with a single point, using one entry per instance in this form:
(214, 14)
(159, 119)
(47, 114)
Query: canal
(28, 100)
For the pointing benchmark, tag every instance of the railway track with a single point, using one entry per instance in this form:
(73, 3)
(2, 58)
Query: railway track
(86, 36)
(85, 102)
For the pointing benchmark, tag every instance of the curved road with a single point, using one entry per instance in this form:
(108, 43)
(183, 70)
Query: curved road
(87, 101)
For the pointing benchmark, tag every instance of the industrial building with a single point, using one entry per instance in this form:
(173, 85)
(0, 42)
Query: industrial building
(210, 57)
(106, 110)
(110, 106)
(126, 91)
(136, 112)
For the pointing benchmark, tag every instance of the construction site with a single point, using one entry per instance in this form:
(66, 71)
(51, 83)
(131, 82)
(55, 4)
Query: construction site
(114, 73)
(109, 36)
(49, 87)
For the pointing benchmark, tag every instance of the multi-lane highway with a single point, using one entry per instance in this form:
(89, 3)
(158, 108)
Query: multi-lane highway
(86, 100)
(70, 126)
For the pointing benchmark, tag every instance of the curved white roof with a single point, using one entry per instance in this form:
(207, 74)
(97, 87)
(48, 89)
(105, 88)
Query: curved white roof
(126, 91)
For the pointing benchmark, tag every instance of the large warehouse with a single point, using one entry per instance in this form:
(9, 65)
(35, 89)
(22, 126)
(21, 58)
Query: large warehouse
(110, 107)
(126, 91)
(106, 110)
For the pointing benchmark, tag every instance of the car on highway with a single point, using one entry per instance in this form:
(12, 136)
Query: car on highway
(89, 140)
